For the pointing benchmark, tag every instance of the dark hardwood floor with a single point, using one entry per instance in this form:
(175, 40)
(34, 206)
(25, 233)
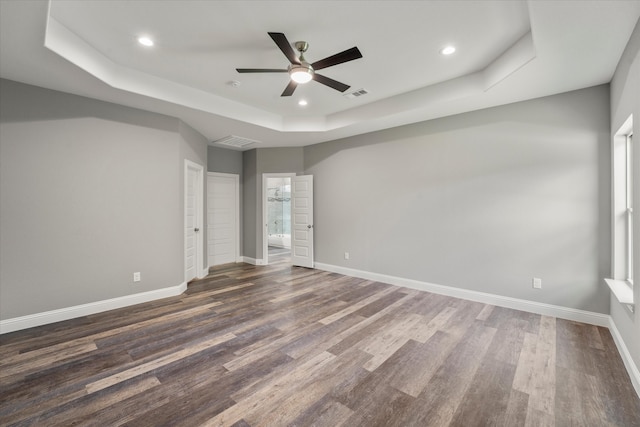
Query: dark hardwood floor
(281, 345)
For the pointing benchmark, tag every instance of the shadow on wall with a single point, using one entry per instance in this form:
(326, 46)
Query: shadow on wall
(65, 106)
(555, 118)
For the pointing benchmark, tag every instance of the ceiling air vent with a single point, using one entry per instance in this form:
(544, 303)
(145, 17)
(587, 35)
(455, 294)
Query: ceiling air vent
(356, 94)
(235, 141)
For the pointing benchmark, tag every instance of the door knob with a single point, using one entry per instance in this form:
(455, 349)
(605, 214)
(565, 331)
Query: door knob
(309, 226)
(196, 229)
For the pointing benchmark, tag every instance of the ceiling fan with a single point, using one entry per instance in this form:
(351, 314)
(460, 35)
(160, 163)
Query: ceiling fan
(300, 70)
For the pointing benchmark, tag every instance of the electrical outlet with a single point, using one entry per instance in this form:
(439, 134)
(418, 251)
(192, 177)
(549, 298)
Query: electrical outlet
(346, 255)
(537, 283)
(136, 276)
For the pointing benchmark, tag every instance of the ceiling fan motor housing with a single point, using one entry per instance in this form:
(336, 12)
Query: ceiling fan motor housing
(301, 46)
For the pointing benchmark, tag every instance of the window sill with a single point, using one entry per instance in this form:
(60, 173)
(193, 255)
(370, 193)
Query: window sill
(622, 290)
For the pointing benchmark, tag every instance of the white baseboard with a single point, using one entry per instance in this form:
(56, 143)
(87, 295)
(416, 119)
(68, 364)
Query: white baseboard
(632, 369)
(39, 319)
(583, 316)
(252, 261)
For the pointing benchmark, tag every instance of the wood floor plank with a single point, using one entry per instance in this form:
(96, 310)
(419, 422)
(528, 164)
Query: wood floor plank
(424, 358)
(316, 385)
(493, 378)
(618, 397)
(424, 330)
(382, 346)
(326, 412)
(365, 328)
(516, 412)
(282, 345)
(155, 364)
(357, 306)
(22, 367)
(269, 395)
(438, 402)
(578, 399)
(485, 313)
(84, 407)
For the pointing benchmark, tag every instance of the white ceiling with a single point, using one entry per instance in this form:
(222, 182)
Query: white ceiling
(507, 51)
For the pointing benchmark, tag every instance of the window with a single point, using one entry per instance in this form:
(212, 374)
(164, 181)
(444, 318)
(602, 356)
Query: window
(621, 283)
(629, 206)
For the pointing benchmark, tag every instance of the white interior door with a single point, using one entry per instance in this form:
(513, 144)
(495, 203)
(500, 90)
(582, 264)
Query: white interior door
(222, 218)
(302, 220)
(192, 220)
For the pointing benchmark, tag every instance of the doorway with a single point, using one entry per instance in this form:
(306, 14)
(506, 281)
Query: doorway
(277, 214)
(288, 229)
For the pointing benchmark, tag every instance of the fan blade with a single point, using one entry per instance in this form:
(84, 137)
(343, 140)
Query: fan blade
(338, 58)
(288, 91)
(260, 70)
(285, 47)
(330, 82)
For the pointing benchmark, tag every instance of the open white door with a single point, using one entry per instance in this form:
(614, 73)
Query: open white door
(192, 220)
(302, 221)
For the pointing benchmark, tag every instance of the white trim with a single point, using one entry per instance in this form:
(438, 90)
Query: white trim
(567, 313)
(39, 319)
(619, 181)
(188, 164)
(265, 228)
(622, 291)
(252, 261)
(632, 369)
(236, 179)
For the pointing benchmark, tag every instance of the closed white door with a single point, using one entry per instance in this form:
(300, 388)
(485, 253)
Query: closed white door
(192, 220)
(222, 218)
(302, 220)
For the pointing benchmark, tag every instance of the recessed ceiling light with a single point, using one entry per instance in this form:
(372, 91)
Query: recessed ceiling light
(302, 102)
(145, 41)
(448, 50)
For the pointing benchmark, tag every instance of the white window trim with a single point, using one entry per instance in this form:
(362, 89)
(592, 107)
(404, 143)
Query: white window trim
(621, 281)
(629, 203)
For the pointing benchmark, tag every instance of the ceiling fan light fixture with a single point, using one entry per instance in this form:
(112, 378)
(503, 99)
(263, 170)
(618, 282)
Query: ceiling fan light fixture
(145, 41)
(301, 74)
(448, 50)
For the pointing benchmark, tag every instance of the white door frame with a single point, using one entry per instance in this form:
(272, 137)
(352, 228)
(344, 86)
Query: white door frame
(265, 226)
(199, 192)
(236, 181)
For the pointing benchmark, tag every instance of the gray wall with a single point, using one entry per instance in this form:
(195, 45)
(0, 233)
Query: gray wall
(482, 201)
(251, 204)
(625, 100)
(89, 193)
(255, 163)
(224, 161)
